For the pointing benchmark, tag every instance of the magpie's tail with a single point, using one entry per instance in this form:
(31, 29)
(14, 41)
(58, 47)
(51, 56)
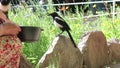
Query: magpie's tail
(71, 38)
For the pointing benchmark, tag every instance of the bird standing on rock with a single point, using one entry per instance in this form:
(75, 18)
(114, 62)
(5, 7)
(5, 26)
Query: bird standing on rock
(60, 23)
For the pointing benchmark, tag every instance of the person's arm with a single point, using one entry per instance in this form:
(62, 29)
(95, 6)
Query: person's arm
(1, 30)
(9, 29)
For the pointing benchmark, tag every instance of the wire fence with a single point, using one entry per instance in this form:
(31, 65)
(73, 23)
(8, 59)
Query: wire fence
(113, 2)
(96, 2)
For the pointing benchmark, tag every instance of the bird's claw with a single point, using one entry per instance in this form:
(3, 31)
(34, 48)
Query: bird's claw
(57, 35)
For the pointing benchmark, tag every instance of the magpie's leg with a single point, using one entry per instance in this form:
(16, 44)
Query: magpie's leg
(60, 33)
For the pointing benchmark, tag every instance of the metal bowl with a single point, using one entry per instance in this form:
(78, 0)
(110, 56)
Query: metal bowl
(29, 33)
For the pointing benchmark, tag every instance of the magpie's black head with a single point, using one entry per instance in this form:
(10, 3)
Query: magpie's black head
(53, 14)
(5, 2)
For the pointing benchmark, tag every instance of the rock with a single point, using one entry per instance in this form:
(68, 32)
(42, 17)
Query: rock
(114, 47)
(115, 65)
(113, 40)
(62, 54)
(24, 63)
(115, 52)
(95, 51)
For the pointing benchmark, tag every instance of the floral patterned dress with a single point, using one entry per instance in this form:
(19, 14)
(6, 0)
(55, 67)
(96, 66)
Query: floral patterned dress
(10, 51)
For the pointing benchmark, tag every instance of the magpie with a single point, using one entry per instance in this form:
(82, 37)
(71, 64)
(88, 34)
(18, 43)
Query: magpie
(62, 25)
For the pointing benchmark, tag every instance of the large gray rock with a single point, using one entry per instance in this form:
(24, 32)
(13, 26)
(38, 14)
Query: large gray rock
(114, 47)
(93, 46)
(61, 54)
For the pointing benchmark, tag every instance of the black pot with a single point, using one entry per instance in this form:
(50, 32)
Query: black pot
(29, 33)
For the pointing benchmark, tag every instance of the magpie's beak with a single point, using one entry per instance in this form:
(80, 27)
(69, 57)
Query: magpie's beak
(49, 14)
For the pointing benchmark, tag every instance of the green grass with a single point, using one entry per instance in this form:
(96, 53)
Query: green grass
(34, 51)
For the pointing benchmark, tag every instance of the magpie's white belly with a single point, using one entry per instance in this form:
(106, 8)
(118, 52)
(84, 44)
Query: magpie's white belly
(57, 25)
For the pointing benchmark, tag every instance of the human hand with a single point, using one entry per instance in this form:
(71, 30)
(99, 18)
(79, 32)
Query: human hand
(10, 29)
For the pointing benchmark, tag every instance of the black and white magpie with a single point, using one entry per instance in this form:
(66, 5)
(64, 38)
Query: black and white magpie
(60, 23)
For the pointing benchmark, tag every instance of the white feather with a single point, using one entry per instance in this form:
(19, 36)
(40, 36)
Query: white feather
(58, 18)
(57, 25)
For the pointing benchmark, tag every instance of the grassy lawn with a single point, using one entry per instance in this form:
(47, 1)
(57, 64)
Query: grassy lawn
(34, 51)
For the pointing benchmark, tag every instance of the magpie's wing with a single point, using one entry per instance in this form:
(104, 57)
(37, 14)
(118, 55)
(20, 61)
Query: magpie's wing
(62, 22)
